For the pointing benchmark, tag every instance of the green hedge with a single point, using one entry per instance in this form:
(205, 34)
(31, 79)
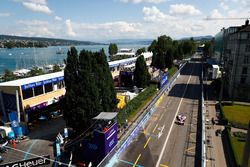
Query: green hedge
(172, 71)
(136, 104)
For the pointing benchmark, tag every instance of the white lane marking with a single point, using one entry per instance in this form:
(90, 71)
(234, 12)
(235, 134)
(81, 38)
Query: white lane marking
(171, 127)
(160, 133)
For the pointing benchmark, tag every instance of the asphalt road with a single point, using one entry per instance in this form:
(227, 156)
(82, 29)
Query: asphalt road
(162, 142)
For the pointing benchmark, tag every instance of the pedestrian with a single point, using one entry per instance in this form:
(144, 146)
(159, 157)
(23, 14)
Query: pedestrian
(213, 121)
(14, 144)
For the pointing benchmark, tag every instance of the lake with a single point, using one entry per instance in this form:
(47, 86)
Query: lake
(18, 58)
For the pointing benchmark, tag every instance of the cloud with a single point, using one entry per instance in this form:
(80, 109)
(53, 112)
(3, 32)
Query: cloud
(214, 14)
(70, 31)
(183, 9)
(4, 14)
(57, 18)
(224, 6)
(37, 28)
(143, 1)
(36, 5)
(153, 14)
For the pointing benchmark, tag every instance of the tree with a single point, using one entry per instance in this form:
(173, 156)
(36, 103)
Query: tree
(56, 68)
(113, 49)
(141, 74)
(188, 47)
(9, 75)
(35, 71)
(105, 83)
(89, 88)
(161, 50)
(70, 104)
(140, 51)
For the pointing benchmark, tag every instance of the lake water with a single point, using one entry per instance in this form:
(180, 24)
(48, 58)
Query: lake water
(18, 58)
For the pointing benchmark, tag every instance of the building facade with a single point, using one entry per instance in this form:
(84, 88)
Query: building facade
(26, 97)
(234, 56)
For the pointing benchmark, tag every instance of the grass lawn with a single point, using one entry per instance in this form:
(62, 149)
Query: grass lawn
(237, 113)
(238, 147)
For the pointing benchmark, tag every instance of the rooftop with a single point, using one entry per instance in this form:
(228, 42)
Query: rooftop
(129, 60)
(25, 81)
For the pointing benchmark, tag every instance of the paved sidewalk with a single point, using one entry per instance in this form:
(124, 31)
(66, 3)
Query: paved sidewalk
(215, 152)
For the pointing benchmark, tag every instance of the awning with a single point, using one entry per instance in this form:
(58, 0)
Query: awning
(106, 116)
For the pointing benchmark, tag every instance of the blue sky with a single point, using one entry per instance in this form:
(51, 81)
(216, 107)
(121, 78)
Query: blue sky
(100, 20)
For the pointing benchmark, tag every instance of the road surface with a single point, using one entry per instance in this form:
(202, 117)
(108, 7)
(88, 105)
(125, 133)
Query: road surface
(162, 142)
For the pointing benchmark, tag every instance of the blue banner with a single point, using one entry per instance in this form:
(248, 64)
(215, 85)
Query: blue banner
(40, 83)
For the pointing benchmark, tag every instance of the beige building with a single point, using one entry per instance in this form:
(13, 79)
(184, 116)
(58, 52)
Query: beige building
(28, 97)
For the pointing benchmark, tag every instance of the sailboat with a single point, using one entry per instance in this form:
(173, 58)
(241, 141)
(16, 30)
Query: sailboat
(60, 51)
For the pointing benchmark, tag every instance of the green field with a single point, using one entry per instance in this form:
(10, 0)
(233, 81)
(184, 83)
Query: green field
(237, 113)
(237, 147)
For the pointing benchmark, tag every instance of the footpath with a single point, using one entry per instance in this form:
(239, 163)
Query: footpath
(216, 154)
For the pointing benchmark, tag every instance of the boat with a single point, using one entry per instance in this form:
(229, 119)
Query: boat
(60, 51)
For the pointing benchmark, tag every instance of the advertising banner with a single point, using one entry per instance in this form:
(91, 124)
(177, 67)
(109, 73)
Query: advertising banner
(35, 84)
(164, 81)
(110, 138)
(39, 161)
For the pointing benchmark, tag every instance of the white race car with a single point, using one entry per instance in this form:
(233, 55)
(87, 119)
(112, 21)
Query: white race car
(180, 119)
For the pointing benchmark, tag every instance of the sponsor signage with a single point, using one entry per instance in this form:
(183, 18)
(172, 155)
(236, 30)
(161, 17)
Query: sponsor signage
(164, 81)
(40, 161)
(39, 106)
(40, 83)
(110, 138)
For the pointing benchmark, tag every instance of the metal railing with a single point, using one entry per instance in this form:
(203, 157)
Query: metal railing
(203, 109)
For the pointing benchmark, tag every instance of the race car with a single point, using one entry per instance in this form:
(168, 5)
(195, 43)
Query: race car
(180, 119)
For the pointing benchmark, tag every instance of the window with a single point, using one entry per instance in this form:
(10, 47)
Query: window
(247, 48)
(60, 84)
(38, 90)
(28, 93)
(246, 59)
(243, 79)
(48, 87)
(244, 71)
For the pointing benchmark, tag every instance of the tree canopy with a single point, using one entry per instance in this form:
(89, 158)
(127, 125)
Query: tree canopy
(165, 50)
(113, 49)
(141, 74)
(89, 88)
(140, 51)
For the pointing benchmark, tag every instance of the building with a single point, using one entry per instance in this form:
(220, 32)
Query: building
(32, 97)
(234, 54)
(29, 97)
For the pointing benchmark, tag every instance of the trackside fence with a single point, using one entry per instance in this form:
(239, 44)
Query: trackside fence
(203, 110)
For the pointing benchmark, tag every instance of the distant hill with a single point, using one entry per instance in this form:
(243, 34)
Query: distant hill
(130, 41)
(43, 42)
(199, 38)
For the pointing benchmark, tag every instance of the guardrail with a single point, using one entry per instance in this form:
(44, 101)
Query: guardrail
(134, 128)
(203, 139)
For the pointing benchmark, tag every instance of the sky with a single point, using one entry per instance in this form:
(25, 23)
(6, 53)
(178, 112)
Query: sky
(102, 20)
